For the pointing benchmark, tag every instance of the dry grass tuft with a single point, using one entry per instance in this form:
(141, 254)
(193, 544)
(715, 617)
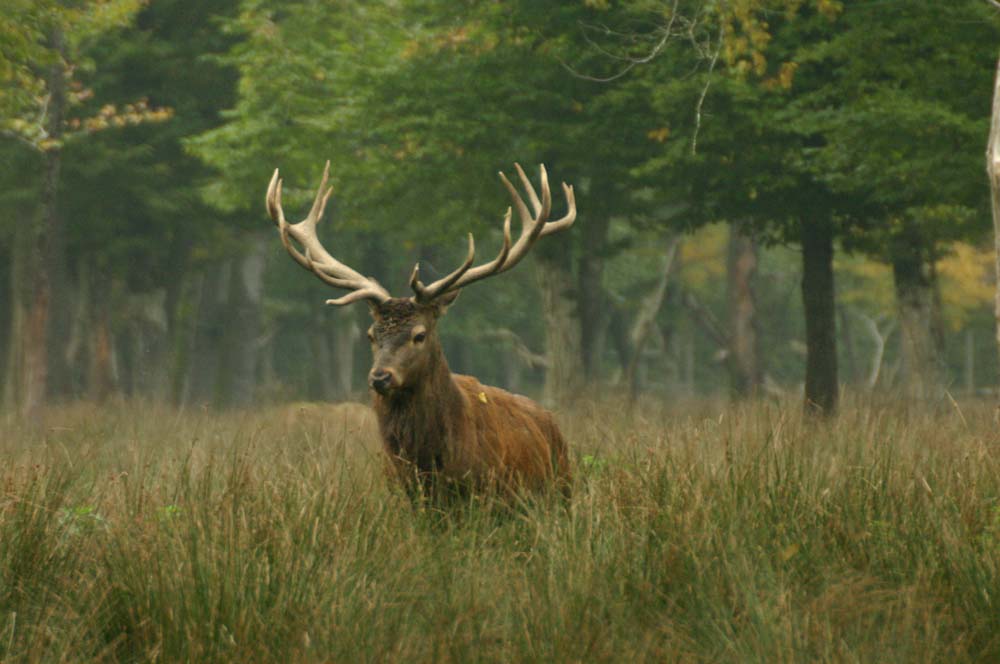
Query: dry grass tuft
(696, 533)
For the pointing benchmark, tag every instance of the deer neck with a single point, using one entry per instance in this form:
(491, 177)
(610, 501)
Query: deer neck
(418, 423)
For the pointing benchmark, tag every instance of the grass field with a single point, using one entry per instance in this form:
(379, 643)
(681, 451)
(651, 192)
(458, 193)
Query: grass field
(700, 533)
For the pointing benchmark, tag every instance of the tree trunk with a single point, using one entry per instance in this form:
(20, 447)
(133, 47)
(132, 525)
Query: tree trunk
(970, 362)
(593, 312)
(646, 318)
(209, 324)
(743, 357)
(5, 323)
(564, 375)
(26, 365)
(332, 337)
(318, 340)
(618, 334)
(822, 388)
(76, 348)
(850, 352)
(879, 338)
(242, 328)
(36, 261)
(921, 343)
(689, 361)
(345, 339)
(179, 301)
(101, 372)
(148, 354)
(993, 170)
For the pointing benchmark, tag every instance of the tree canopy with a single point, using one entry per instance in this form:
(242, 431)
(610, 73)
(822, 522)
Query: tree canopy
(785, 119)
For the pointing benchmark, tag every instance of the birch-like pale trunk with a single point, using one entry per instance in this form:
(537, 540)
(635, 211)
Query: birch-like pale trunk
(993, 169)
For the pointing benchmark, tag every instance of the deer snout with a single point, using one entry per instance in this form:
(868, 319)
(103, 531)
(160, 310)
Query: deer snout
(381, 380)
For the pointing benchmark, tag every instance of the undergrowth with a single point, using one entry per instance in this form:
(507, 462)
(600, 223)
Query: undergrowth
(697, 533)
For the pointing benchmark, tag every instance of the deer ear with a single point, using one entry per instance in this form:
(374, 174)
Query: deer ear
(446, 301)
(373, 309)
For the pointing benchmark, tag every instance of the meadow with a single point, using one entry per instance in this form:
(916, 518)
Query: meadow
(697, 532)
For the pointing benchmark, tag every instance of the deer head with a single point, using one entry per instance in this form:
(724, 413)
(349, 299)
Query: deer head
(405, 347)
(404, 341)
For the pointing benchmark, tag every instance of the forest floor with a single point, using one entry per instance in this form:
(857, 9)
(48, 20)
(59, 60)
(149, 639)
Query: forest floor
(697, 533)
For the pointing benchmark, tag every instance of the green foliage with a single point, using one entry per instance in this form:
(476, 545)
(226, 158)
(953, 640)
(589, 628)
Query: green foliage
(894, 103)
(417, 128)
(36, 35)
(130, 195)
(667, 117)
(156, 218)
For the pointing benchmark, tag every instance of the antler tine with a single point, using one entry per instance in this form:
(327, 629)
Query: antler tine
(319, 201)
(428, 293)
(526, 183)
(355, 296)
(566, 221)
(273, 211)
(313, 256)
(273, 203)
(532, 228)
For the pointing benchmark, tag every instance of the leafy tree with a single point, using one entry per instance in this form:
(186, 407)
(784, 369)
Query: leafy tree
(41, 47)
(144, 256)
(112, 263)
(785, 127)
(895, 115)
(433, 110)
(729, 153)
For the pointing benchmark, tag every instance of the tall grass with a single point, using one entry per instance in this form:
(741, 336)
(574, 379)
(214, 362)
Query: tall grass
(702, 533)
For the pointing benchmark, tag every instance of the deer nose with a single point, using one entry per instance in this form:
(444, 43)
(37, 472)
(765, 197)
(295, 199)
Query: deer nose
(380, 380)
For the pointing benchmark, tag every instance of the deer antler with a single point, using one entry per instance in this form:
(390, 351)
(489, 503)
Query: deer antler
(313, 256)
(532, 228)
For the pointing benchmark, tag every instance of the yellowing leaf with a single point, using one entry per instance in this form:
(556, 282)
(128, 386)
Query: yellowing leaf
(482, 397)
(967, 282)
(703, 257)
(659, 135)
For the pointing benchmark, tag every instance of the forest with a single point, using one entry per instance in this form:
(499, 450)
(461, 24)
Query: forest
(774, 197)
(769, 336)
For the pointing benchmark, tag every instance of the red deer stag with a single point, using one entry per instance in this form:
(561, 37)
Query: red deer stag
(436, 425)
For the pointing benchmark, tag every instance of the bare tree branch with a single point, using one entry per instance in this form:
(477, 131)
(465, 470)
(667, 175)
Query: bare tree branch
(666, 31)
(704, 93)
(648, 309)
(879, 337)
(706, 319)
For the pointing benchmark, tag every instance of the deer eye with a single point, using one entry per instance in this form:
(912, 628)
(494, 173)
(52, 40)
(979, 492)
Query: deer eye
(419, 337)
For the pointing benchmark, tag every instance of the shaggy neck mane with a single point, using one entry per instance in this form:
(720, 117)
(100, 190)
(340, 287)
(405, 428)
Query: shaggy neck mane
(419, 422)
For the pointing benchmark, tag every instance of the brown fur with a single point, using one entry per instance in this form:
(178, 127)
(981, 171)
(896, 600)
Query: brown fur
(441, 426)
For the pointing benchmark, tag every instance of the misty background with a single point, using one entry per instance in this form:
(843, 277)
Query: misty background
(777, 197)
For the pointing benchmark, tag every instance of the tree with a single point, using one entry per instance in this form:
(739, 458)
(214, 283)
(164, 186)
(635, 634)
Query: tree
(42, 41)
(813, 92)
(116, 319)
(156, 256)
(993, 170)
(437, 103)
(742, 164)
(895, 118)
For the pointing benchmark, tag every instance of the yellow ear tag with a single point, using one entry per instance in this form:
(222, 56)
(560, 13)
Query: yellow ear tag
(482, 397)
